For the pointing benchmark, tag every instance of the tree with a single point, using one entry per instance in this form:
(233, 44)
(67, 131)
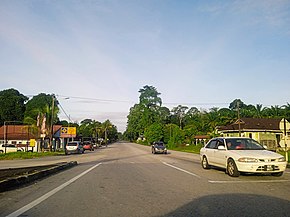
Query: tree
(43, 104)
(275, 112)
(237, 103)
(154, 133)
(226, 116)
(12, 105)
(135, 125)
(147, 112)
(149, 96)
(179, 112)
(110, 131)
(173, 135)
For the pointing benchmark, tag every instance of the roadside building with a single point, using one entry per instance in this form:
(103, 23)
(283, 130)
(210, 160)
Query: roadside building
(27, 138)
(18, 136)
(271, 132)
(203, 139)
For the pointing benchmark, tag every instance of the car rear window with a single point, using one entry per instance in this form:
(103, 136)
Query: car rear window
(72, 144)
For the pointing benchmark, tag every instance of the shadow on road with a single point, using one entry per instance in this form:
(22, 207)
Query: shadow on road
(234, 205)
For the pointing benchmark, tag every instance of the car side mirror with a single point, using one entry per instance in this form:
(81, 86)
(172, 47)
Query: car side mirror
(221, 147)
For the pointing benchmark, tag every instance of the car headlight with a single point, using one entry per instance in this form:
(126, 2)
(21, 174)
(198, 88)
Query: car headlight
(248, 160)
(281, 159)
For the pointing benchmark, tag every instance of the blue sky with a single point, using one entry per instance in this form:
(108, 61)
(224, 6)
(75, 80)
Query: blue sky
(196, 53)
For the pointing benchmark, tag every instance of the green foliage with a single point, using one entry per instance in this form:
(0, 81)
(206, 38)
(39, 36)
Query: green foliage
(149, 96)
(182, 124)
(94, 129)
(190, 148)
(39, 107)
(12, 105)
(173, 135)
(179, 112)
(237, 103)
(154, 133)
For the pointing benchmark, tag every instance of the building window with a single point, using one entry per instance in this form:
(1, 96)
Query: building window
(250, 135)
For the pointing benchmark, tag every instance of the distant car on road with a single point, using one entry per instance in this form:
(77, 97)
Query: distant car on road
(75, 147)
(88, 146)
(158, 147)
(241, 154)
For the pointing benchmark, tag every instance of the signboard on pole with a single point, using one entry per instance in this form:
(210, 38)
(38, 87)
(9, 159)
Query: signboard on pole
(68, 132)
(32, 142)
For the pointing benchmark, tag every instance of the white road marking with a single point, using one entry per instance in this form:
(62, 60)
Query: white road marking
(239, 182)
(49, 194)
(182, 170)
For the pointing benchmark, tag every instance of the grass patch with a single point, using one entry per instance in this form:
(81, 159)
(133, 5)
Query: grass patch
(28, 155)
(190, 148)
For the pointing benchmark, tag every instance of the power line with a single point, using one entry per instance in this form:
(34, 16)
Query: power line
(64, 111)
(98, 100)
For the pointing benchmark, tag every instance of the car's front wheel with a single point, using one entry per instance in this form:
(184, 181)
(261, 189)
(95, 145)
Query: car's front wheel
(204, 163)
(232, 169)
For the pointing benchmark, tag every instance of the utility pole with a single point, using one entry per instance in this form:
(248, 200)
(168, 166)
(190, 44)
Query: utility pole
(285, 140)
(51, 125)
(5, 143)
(239, 121)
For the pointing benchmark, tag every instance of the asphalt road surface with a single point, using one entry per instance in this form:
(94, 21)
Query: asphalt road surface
(125, 179)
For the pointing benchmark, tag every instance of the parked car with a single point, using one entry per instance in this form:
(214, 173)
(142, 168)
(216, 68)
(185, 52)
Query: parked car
(74, 147)
(241, 155)
(10, 148)
(158, 147)
(88, 146)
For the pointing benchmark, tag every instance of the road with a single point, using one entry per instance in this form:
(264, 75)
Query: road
(125, 179)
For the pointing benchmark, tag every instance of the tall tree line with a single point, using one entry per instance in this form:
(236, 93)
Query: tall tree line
(151, 120)
(16, 108)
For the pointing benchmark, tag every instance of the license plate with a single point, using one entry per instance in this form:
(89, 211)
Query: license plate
(268, 168)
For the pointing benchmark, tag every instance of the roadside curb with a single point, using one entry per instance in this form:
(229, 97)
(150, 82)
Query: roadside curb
(17, 181)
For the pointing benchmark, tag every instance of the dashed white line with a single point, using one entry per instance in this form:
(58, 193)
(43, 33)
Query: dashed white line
(182, 170)
(49, 194)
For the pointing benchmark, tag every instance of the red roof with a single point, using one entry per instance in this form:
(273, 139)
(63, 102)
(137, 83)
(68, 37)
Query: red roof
(202, 137)
(20, 132)
(253, 124)
(16, 132)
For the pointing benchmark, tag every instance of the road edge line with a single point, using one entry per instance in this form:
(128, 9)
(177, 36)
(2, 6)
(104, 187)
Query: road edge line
(49, 194)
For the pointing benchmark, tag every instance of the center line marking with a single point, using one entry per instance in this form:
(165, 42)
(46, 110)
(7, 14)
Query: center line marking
(182, 170)
(49, 194)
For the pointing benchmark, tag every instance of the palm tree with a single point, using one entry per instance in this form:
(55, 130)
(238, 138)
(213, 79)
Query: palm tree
(105, 127)
(259, 111)
(275, 111)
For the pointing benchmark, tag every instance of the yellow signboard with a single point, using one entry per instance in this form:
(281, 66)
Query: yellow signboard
(68, 132)
(32, 143)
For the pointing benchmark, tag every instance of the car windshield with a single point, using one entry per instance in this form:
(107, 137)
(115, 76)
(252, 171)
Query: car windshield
(159, 144)
(243, 144)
